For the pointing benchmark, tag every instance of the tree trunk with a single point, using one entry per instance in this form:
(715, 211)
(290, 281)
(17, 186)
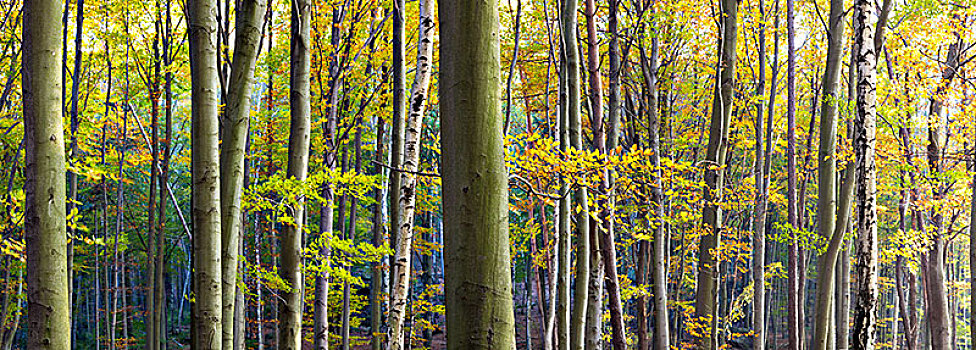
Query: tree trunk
(658, 251)
(290, 302)
(706, 295)
(376, 280)
(571, 74)
(235, 122)
(866, 245)
(206, 179)
(759, 213)
(794, 301)
(593, 336)
(564, 222)
(478, 273)
(408, 178)
(398, 129)
(48, 301)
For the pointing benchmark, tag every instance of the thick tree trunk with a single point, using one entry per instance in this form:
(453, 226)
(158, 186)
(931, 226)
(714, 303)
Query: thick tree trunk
(478, 272)
(235, 122)
(866, 245)
(706, 293)
(206, 202)
(290, 302)
(48, 301)
(408, 177)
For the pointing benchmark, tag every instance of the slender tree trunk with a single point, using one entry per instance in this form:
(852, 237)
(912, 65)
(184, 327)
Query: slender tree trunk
(593, 336)
(48, 299)
(571, 74)
(866, 245)
(658, 252)
(794, 301)
(376, 281)
(706, 295)
(206, 179)
(478, 272)
(72, 176)
(153, 87)
(564, 222)
(376, 268)
(759, 214)
(235, 122)
(408, 177)
(290, 302)
(972, 257)
(398, 129)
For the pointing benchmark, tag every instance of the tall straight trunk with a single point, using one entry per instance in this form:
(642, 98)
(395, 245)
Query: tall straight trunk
(478, 272)
(659, 238)
(608, 249)
(72, 176)
(290, 301)
(159, 317)
(759, 212)
(48, 299)
(563, 254)
(119, 201)
(153, 87)
(320, 322)
(593, 336)
(972, 255)
(235, 122)
(408, 177)
(376, 268)
(706, 295)
(206, 179)
(570, 53)
(866, 245)
(376, 280)
(938, 308)
(104, 184)
(398, 129)
(794, 301)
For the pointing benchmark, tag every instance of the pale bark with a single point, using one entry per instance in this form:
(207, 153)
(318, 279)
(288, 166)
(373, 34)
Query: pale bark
(48, 301)
(571, 75)
(235, 122)
(564, 222)
(206, 201)
(866, 245)
(290, 302)
(759, 212)
(593, 336)
(706, 293)
(398, 129)
(408, 178)
(658, 251)
(478, 285)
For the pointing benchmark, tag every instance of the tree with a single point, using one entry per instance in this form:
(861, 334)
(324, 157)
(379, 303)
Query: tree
(206, 178)
(48, 299)
(571, 107)
(866, 245)
(408, 177)
(477, 260)
(235, 122)
(706, 291)
(290, 303)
